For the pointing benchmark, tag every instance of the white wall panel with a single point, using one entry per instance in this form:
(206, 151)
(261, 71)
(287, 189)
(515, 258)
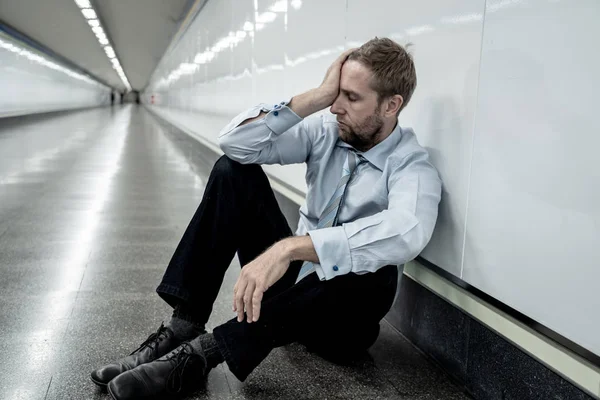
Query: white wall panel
(519, 215)
(534, 205)
(30, 82)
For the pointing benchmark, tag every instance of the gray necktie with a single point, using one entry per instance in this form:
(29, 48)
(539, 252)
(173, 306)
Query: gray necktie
(329, 215)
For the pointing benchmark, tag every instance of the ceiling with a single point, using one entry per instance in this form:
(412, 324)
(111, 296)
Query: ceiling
(139, 31)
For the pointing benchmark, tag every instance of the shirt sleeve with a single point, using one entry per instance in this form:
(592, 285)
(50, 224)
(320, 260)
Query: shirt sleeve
(393, 236)
(281, 137)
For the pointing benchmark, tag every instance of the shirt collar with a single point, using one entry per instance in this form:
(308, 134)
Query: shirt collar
(378, 154)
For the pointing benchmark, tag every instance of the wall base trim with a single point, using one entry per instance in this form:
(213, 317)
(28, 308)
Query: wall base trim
(562, 361)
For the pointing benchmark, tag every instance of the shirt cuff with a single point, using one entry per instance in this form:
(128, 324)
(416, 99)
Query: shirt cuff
(331, 245)
(281, 118)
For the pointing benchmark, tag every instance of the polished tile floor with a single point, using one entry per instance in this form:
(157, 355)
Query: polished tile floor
(92, 205)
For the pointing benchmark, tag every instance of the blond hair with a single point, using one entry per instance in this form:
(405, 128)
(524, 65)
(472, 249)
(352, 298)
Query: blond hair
(392, 67)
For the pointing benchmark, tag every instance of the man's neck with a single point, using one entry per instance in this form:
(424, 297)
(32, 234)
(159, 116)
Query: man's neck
(385, 131)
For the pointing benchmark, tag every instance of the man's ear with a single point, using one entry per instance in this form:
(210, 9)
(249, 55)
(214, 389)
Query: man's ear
(393, 105)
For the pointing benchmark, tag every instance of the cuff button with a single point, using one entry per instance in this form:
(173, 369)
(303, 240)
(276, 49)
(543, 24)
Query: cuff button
(335, 268)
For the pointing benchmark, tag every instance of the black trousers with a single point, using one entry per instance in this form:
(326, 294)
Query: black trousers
(239, 213)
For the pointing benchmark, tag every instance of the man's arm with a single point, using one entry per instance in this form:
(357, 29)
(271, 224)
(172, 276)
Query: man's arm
(274, 134)
(302, 105)
(317, 99)
(393, 236)
(250, 140)
(262, 272)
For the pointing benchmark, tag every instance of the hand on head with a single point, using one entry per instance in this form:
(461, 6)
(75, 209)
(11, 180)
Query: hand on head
(330, 87)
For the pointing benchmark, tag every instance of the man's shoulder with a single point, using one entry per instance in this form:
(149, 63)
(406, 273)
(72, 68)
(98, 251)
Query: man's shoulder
(408, 150)
(323, 127)
(329, 118)
(408, 143)
(324, 119)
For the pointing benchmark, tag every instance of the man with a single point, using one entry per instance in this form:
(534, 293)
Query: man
(371, 205)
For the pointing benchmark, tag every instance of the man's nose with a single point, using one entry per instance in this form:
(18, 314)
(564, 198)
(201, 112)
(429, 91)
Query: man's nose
(336, 107)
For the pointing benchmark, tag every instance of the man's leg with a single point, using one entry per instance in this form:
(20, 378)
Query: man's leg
(238, 212)
(333, 312)
(338, 315)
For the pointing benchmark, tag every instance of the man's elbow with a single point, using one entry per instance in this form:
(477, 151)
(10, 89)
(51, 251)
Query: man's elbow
(423, 236)
(229, 148)
(414, 243)
(225, 145)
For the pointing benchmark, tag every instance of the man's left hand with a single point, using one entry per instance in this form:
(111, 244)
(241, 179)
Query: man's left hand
(254, 280)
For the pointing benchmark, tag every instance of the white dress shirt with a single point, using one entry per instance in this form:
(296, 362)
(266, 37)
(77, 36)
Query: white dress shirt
(391, 203)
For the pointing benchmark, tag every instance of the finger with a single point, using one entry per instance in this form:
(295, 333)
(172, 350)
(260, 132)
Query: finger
(345, 55)
(239, 299)
(256, 303)
(234, 294)
(248, 300)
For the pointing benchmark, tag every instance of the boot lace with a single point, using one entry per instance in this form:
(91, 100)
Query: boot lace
(181, 360)
(153, 340)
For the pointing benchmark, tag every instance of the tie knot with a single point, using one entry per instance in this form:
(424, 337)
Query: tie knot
(358, 157)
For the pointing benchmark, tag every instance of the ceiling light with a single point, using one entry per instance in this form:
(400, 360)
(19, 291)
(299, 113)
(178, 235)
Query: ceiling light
(248, 26)
(296, 4)
(200, 58)
(110, 52)
(280, 6)
(89, 13)
(187, 67)
(83, 3)
(266, 17)
(417, 30)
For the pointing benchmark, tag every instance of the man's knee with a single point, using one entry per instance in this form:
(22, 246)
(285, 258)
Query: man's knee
(342, 344)
(226, 167)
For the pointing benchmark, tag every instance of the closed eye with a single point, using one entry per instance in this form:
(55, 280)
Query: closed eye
(350, 95)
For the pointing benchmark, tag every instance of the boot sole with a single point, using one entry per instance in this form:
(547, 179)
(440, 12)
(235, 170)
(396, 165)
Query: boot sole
(101, 384)
(112, 396)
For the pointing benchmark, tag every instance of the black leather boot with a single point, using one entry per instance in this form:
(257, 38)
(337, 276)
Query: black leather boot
(181, 371)
(157, 345)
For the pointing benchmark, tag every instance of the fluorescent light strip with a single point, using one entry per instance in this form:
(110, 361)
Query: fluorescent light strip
(110, 52)
(5, 44)
(83, 3)
(90, 15)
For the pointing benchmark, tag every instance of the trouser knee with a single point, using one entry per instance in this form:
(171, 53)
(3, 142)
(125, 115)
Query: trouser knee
(225, 167)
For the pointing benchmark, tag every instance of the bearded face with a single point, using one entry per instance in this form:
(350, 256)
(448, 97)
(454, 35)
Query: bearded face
(362, 134)
(358, 108)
